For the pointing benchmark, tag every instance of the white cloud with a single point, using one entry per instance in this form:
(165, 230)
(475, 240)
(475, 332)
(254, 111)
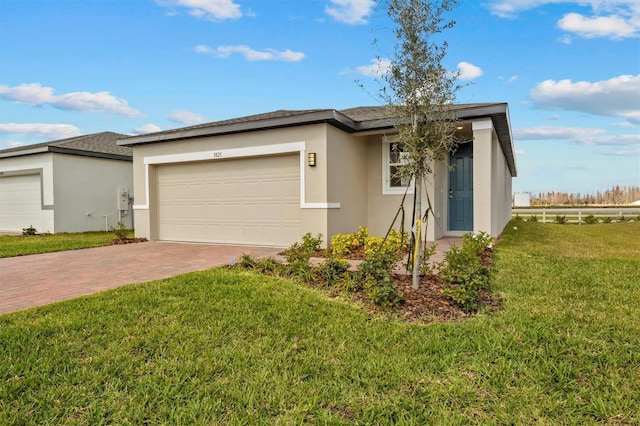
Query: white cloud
(42, 130)
(378, 68)
(468, 71)
(352, 12)
(36, 94)
(519, 151)
(614, 19)
(622, 152)
(186, 117)
(556, 132)
(614, 27)
(204, 49)
(147, 128)
(212, 10)
(616, 97)
(581, 135)
(11, 144)
(251, 54)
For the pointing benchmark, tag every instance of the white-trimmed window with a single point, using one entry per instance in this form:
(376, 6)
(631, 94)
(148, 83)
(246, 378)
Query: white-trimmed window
(392, 158)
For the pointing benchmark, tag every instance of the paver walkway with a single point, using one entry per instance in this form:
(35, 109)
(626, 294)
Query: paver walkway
(34, 280)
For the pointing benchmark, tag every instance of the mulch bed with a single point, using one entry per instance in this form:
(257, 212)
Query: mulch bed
(427, 303)
(119, 241)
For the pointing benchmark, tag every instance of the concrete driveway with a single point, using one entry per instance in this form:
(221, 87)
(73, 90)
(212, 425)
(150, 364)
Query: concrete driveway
(34, 280)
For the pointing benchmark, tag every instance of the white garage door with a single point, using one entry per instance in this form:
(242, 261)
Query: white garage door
(20, 202)
(239, 201)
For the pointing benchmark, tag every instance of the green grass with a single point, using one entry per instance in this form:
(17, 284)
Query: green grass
(19, 245)
(227, 347)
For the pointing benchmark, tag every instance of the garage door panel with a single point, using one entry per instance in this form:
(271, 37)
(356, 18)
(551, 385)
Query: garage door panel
(244, 201)
(21, 203)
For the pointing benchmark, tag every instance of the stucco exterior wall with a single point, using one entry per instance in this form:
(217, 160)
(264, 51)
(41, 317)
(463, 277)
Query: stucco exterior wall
(382, 208)
(43, 163)
(86, 191)
(502, 190)
(492, 181)
(346, 181)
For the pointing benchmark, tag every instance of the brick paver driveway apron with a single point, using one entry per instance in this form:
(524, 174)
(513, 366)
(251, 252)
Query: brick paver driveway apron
(34, 280)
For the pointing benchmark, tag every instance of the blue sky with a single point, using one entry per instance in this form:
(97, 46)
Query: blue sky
(570, 71)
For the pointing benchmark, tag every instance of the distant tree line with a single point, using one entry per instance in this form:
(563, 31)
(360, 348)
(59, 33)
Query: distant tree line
(616, 196)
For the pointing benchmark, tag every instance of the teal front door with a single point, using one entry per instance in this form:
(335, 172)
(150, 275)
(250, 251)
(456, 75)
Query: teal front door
(461, 188)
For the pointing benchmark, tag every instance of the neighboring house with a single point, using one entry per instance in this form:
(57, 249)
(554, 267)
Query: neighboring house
(69, 185)
(268, 179)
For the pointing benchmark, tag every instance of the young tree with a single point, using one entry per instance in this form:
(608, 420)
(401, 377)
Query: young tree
(421, 92)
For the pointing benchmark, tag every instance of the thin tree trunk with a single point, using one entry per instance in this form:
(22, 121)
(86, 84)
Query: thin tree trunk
(418, 249)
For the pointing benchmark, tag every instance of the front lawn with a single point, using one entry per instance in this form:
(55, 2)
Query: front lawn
(20, 245)
(229, 347)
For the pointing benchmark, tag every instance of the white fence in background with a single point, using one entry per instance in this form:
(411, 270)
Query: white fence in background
(578, 215)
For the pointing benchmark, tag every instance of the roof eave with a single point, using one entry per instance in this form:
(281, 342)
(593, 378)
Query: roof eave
(93, 154)
(23, 152)
(332, 117)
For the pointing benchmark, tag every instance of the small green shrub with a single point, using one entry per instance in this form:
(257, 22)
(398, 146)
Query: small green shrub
(622, 219)
(376, 274)
(426, 267)
(396, 242)
(590, 219)
(383, 292)
(464, 274)
(30, 231)
(533, 218)
(561, 219)
(518, 218)
(304, 250)
(361, 235)
(350, 283)
(343, 244)
(121, 231)
(333, 270)
(268, 265)
(607, 219)
(311, 243)
(477, 243)
(301, 270)
(247, 262)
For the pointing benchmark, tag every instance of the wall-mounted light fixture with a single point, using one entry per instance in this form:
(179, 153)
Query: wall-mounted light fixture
(311, 159)
(460, 127)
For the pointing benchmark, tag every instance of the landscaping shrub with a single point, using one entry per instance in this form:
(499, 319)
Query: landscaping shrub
(247, 262)
(383, 292)
(343, 244)
(533, 218)
(590, 219)
(426, 267)
(333, 270)
(305, 250)
(376, 275)
(561, 219)
(477, 242)
(464, 272)
(30, 231)
(121, 231)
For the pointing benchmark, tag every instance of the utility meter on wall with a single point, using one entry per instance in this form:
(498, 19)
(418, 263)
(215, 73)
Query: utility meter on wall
(123, 199)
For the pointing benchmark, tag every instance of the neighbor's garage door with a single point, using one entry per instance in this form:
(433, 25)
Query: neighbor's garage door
(20, 202)
(243, 201)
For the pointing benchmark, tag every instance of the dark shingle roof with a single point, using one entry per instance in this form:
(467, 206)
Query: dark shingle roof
(351, 120)
(95, 145)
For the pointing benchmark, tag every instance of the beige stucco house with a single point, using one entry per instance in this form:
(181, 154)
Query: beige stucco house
(268, 179)
(69, 185)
